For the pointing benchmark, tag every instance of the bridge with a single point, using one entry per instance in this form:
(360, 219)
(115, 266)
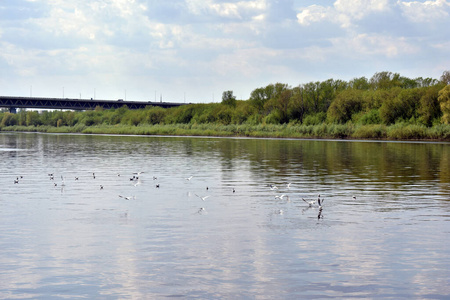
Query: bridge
(13, 103)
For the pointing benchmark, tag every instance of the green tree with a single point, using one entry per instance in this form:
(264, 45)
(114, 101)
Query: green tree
(71, 118)
(429, 109)
(425, 82)
(297, 108)
(403, 107)
(46, 118)
(445, 78)
(242, 112)
(33, 118)
(277, 100)
(385, 80)
(22, 117)
(224, 114)
(9, 119)
(361, 83)
(182, 114)
(312, 95)
(345, 105)
(283, 100)
(155, 115)
(444, 102)
(228, 98)
(408, 83)
(258, 98)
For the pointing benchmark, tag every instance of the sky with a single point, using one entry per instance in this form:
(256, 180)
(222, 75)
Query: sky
(193, 50)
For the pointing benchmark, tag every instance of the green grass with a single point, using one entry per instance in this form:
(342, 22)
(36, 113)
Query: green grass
(400, 131)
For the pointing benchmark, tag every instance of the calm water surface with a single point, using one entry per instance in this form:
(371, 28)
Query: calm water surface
(68, 238)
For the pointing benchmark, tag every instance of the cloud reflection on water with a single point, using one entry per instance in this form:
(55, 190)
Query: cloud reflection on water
(89, 242)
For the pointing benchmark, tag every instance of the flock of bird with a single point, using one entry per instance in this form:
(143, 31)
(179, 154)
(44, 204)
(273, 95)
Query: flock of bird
(136, 180)
(311, 203)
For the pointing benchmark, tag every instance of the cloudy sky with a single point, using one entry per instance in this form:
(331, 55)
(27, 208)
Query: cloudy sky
(193, 50)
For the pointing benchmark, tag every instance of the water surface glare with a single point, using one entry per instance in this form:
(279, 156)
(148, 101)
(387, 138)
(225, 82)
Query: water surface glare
(383, 231)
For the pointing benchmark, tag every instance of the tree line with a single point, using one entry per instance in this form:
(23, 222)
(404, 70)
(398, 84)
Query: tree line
(385, 98)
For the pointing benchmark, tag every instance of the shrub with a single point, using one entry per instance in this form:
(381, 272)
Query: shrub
(370, 117)
(376, 131)
(315, 119)
(401, 131)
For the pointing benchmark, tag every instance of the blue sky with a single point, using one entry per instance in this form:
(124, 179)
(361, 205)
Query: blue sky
(193, 50)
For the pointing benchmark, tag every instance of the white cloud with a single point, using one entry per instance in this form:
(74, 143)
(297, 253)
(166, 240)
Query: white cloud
(349, 13)
(233, 10)
(423, 12)
(204, 46)
(357, 9)
(343, 12)
(376, 45)
(314, 14)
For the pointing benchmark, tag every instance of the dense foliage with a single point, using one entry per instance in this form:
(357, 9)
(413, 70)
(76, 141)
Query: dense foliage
(385, 99)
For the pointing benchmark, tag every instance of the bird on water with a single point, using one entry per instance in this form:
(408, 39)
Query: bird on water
(310, 203)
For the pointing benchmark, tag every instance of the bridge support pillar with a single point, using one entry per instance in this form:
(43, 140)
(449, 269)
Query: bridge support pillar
(12, 110)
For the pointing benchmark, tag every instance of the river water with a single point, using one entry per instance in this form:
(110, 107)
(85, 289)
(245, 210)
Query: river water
(383, 231)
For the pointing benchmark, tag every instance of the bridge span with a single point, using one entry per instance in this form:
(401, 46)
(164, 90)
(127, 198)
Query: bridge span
(13, 103)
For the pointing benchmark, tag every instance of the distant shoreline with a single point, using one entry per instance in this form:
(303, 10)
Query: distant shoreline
(396, 132)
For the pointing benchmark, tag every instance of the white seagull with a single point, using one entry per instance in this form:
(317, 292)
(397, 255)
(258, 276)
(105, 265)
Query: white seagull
(203, 198)
(320, 209)
(127, 198)
(320, 202)
(282, 196)
(310, 203)
(189, 178)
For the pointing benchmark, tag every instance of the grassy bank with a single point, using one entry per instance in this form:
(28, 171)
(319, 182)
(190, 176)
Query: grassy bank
(330, 131)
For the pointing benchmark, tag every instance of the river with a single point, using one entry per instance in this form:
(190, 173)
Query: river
(206, 218)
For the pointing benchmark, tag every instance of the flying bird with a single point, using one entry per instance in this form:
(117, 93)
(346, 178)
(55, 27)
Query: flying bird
(282, 196)
(320, 209)
(310, 203)
(203, 198)
(320, 202)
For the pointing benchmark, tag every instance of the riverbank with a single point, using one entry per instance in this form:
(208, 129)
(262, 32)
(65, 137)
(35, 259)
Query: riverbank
(398, 131)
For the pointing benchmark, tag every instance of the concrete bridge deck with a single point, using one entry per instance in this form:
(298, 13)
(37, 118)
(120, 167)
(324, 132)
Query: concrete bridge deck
(13, 103)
